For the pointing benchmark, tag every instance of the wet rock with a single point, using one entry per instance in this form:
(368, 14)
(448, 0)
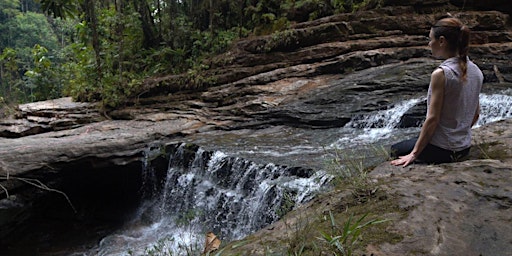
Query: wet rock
(415, 116)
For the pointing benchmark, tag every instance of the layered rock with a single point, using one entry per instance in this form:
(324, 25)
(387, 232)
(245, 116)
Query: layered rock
(52, 115)
(318, 41)
(262, 70)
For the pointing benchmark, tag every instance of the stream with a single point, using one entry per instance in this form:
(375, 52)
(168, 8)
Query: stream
(232, 183)
(240, 181)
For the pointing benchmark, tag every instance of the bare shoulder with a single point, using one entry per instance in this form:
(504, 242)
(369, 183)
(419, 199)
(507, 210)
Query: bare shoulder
(438, 73)
(438, 78)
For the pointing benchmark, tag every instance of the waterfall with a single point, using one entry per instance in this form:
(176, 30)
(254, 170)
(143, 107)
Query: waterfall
(232, 196)
(385, 119)
(378, 125)
(369, 128)
(210, 191)
(188, 191)
(494, 107)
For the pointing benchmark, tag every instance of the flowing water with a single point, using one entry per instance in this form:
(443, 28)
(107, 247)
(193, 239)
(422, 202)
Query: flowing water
(210, 191)
(241, 182)
(495, 107)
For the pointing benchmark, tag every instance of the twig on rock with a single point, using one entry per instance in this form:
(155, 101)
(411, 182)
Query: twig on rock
(38, 184)
(6, 191)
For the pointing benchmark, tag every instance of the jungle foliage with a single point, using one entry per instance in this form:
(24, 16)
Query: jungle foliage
(102, 50)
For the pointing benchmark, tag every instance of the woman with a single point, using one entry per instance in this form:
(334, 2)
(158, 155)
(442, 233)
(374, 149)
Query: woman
(453, 105)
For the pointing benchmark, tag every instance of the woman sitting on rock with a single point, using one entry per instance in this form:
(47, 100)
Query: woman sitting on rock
(453, 100)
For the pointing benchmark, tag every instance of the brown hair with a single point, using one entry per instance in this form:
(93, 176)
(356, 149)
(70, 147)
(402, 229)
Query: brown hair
(457, 36)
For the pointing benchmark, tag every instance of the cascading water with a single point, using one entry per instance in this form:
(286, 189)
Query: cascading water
(380, 124)
(387, 119)
(202, 190)
(210, 191)
(494, 107)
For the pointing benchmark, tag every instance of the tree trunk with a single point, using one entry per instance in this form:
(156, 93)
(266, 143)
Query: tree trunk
(159, 12)
(91, 14)
(172, 12)
(211, 17)
(120, 37)
(241, 18)
(151, 37)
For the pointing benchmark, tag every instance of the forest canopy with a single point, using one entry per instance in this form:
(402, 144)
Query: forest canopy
(102, 50)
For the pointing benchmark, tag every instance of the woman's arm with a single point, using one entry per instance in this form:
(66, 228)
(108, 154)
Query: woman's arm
(431, 122)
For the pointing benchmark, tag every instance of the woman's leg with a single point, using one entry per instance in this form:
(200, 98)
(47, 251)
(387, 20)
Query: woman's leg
(436, 155)
(402, 148)
(431, 154)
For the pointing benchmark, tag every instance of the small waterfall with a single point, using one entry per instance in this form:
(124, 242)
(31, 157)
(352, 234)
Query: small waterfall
(385, 119)
(149, 177)
(374, 126)
(379, 125)
(232, 196)
(494, 107)
(210, 191)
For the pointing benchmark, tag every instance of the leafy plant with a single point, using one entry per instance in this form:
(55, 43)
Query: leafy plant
(43, 79)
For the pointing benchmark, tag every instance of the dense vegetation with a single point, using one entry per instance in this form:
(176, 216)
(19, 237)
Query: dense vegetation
(103, 50)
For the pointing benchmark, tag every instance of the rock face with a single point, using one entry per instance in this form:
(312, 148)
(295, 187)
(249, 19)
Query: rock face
(271, 77)
(454, 209)
(316, 75)
(447, 202)
(52, 115)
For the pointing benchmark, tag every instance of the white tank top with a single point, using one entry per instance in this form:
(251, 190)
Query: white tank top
(459, 105)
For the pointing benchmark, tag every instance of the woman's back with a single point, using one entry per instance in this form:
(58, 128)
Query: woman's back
(453, 100)
(459, 105)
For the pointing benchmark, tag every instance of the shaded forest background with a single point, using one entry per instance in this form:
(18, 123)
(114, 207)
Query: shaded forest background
(103, 50)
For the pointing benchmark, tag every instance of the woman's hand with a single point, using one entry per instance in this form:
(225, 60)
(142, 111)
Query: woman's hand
(404, 160)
